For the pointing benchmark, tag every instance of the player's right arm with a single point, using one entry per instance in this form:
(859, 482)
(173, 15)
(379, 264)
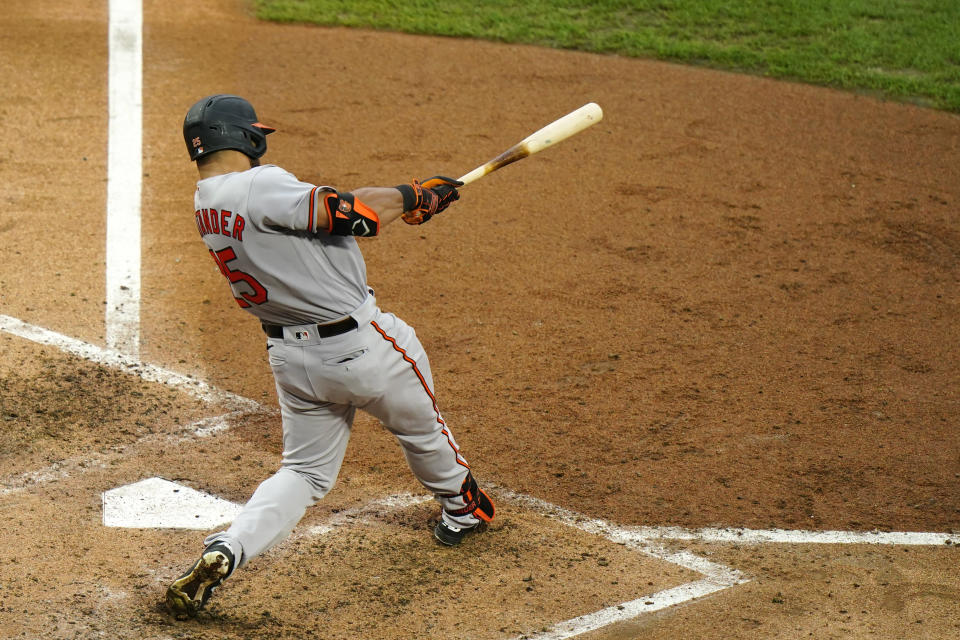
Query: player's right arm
(414, 202)
(386, 201)
(289, 203)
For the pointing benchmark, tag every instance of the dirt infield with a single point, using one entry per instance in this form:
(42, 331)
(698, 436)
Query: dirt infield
(732, 303)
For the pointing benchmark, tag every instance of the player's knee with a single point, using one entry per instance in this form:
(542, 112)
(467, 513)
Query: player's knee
(419, 444)
(319, 483)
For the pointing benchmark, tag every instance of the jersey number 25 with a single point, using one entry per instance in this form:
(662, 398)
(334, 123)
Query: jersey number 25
(257, 295)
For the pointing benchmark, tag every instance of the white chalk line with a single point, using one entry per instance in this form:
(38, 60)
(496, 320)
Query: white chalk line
(238, 405)
(641, 535)
(785, 536)
(124, 176)
(367, 512)
(78, 465)
(117, 360)
(717, 577)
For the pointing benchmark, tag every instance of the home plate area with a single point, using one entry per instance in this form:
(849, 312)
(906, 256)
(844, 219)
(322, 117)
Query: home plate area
(362, 563)
(542, 571)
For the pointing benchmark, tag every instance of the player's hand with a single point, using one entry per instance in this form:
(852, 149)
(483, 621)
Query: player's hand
(436, 181)
(433, 196)
(445, 188)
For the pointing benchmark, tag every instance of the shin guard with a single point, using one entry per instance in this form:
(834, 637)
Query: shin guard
(477, 502)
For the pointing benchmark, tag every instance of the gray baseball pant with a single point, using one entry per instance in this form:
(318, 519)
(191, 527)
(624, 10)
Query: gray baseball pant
(380, 367)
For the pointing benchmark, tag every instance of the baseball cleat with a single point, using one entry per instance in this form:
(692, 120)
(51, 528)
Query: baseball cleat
(189, 593)
(451, 536)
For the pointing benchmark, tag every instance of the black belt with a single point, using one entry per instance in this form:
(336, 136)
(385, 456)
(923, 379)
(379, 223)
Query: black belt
(323, 330)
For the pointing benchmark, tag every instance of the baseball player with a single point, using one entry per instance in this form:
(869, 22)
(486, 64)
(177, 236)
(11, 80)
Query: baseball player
(288, 251)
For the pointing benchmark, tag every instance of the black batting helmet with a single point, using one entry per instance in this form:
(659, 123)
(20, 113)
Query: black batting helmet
(224, 122)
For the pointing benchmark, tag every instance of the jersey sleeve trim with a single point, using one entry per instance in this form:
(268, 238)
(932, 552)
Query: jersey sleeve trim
(313, 220)
(311, 225)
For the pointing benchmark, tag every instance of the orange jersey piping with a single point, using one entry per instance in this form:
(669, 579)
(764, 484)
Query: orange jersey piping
(460, 460)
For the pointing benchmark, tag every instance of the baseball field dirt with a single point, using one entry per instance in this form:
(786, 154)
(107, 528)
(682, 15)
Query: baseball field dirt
(732, 303)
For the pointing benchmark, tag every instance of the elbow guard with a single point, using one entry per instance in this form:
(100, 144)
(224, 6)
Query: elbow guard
(349, 216)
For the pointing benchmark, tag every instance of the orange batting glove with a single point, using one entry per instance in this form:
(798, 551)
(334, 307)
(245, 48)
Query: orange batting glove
(424, 200)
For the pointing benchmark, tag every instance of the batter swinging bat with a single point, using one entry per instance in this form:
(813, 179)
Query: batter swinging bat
(556, 131)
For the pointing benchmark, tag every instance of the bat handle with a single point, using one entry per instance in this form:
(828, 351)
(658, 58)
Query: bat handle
(476, 174)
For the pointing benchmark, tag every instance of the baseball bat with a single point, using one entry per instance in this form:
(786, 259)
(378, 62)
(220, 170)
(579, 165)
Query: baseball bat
(557, 131)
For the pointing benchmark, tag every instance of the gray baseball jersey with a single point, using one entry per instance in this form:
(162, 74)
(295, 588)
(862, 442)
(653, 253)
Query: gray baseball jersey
(261, 228)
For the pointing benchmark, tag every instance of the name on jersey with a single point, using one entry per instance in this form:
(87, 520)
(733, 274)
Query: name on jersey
(221, 222)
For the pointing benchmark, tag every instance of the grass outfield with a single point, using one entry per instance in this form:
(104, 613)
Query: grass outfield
(901, 49)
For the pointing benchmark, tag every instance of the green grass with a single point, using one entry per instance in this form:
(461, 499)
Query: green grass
(901, 49)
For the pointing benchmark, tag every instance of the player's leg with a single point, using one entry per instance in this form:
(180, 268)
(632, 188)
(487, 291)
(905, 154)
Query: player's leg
(315, 436)
(409, 410)
(314, 443)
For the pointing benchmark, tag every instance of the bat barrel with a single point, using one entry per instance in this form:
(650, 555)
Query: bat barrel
(562, 128)
(557, 131)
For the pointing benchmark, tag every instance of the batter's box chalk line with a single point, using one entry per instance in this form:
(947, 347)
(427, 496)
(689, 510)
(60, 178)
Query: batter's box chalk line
(645, 540)
(117, 360)
(716, 577)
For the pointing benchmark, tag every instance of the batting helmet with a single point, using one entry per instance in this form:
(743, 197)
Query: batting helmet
(224, 122)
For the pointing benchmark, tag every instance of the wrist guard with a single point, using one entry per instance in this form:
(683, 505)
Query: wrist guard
(412, 195)
(422, 201)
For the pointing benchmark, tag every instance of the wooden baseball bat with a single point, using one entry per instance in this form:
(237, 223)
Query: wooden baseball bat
(557, 131)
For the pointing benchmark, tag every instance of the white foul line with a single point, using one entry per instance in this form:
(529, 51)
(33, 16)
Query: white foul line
(124, 171)
(638, 536)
